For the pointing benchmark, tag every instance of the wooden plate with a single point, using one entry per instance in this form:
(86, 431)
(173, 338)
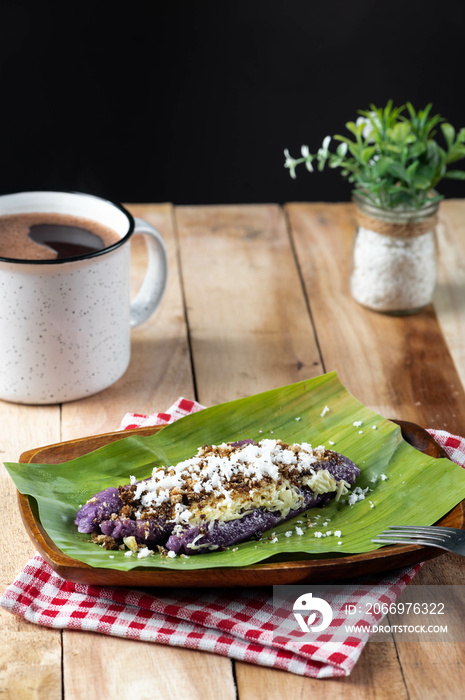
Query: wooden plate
(271, 573)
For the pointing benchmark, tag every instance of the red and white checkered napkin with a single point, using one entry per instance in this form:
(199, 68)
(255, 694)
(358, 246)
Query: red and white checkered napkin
(238, 623)
(182, 407)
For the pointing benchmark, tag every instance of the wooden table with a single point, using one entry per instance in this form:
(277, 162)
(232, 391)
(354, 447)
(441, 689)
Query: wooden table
(257, 298)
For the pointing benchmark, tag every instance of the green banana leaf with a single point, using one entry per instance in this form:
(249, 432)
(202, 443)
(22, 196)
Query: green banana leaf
(401, 485)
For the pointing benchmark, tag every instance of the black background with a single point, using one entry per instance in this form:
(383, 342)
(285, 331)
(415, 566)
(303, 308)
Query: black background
(194, 102)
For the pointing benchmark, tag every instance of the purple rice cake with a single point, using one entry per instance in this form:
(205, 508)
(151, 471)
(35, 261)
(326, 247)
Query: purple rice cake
(222, 496)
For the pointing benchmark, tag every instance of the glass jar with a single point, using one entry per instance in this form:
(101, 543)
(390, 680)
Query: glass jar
(394, 257)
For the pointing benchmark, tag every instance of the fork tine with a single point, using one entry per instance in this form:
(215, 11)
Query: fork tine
(426, 543)
(404, 532)
(409, 538)
(450, 531)
(448, 538)
(414, 537)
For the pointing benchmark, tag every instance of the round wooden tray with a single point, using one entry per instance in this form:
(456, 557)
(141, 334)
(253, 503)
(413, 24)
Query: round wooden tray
(268, 574)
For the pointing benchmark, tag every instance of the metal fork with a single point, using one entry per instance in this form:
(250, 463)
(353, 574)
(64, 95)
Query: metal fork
(450, 538)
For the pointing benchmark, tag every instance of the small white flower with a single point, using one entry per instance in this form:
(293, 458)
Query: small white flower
(290, 163)
(368, 126)
(323, 151)
(306, 154)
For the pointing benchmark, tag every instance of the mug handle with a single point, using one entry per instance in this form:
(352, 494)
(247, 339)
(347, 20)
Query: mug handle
(153, 287)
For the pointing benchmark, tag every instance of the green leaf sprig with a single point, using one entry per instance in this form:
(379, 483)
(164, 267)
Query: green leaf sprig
(393, 158)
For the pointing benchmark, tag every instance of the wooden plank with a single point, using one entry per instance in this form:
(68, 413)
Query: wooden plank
(30, 656)
(449, 299)
(376, 676)
(159, 372)
(124, 670)
(249, 326)
(250, 331)
(437, 666)
(399, 366)
(433, 670)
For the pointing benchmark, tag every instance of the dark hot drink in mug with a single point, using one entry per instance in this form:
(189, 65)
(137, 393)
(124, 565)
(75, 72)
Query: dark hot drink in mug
(49, 236)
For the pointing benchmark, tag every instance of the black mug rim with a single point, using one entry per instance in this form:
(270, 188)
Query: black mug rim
(84, 256)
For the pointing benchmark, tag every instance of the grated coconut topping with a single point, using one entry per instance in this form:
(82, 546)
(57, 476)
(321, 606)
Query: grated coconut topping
(222, 482)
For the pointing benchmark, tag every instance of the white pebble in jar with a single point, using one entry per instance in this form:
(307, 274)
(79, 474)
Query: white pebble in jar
(393, 274)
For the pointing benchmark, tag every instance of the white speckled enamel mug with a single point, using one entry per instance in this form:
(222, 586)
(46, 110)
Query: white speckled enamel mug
(65, 323)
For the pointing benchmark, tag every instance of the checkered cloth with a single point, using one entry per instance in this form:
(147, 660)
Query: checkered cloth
(182, 407)
(236, 624)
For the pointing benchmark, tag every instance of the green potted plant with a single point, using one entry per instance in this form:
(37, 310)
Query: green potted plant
(394, 161)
